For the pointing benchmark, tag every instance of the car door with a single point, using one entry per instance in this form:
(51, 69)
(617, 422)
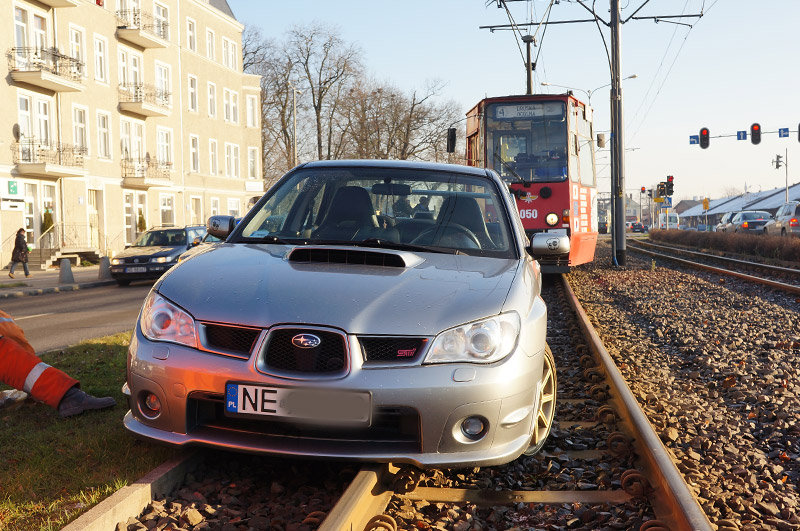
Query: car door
(780, 216)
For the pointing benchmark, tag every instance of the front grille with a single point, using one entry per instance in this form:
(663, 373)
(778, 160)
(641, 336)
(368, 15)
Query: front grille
(328, 357)
(228, 339)
(392, 349)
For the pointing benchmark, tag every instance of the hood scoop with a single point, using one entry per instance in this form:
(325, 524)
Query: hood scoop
(353, 255)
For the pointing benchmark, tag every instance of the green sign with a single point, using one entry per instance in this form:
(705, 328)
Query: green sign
(12, 187)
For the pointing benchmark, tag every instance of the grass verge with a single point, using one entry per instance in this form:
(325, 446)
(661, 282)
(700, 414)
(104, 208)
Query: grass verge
(54, 469)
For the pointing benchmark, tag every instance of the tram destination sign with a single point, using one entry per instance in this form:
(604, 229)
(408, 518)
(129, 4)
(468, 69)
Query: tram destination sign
(528, 110)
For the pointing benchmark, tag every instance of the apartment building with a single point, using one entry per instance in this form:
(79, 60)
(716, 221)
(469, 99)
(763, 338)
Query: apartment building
(120, 115)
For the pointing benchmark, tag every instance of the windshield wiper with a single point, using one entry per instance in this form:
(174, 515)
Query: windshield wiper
(387, 244)
(506, 166)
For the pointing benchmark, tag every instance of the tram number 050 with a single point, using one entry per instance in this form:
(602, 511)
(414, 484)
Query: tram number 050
(528, 214)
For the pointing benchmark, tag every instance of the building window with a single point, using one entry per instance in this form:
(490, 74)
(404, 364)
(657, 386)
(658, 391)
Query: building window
(161, 15)
(167, 203)
(164, 146)
(191, 34)
(194, 153)
(252, 162)
(252, 109)
(211, 46)
(100, 60)
(43, 121)
(231, 160)
(20, 27)
(229, 53)
(79, 136)
(231, 103)
(192, 93)
(125, 139)
(212, 100)
(103, 135)
(215, 206)
(196, 210)
(233, 207)
(163, 82)
(39, 32)
(212, 157)
(76, 48)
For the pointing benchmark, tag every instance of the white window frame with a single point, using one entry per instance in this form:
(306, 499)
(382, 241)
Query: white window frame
(104, 144)
(76, 126)
(25, 118)
(162, 208)
(213, 159)
(252, 110)
(162, 148)
(194, 153)
(191, 83)
(38, 37)
(211, 44)
(252, 162)
(77, 50)
(215, 206)
(237, 206)
(196, 215)
(125, 133)
(162, 22)
(101, 59)
(165, 82)
(43, 123)
(229, 53)
(232, 160)
(191, 34)
(212, 99)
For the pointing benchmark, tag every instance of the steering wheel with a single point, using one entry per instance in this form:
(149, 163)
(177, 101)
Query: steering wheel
(450, 235)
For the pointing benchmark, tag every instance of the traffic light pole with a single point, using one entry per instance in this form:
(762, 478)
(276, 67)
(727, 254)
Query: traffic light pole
(617, 141)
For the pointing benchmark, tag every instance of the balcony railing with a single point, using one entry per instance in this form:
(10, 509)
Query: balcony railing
(143, 93)
(144, 21)
(144, 169)
(31, 59)
(34, 151)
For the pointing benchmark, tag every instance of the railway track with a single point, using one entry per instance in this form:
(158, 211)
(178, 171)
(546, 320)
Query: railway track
(602, 468)
(782, 278)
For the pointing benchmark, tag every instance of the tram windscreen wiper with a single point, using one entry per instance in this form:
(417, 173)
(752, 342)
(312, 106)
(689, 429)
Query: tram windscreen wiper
(506, 166)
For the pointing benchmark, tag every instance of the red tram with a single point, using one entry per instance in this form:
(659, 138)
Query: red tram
(543, 146)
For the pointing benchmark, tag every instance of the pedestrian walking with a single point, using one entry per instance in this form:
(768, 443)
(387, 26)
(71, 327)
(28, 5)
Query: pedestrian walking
(20, 254)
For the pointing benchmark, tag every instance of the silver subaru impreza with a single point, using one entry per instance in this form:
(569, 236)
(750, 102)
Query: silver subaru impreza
(365, 310)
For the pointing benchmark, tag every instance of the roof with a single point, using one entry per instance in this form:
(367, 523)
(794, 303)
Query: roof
(402, 164)
(223, 6)
(764, 200)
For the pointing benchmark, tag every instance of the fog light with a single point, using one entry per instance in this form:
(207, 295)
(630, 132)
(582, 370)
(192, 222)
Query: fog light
(151, 406)
(474, 427)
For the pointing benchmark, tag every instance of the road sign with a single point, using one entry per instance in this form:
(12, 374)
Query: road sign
(705, 203)
(783, 132)
(658, 199)
(741, 135)
(694, 139)
(667, 202)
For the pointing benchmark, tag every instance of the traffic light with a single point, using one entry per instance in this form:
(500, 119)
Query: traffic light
(670, 185)
(704, 137)
(660, 189)
(643, 189)
(755, 134)
(650, 194)
(778, 161)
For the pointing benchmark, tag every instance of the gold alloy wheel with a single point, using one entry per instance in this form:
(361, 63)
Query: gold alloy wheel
(546, 410)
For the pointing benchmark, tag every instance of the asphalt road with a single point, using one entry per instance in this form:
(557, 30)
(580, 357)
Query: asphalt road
(59, 320)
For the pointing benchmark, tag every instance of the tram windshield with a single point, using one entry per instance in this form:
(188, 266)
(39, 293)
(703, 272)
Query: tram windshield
(527, 141)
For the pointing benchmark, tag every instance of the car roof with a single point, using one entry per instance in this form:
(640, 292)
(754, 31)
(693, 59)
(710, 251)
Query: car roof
(399, 164)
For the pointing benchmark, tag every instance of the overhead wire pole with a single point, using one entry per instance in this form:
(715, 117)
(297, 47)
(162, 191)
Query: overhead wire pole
(617, 139)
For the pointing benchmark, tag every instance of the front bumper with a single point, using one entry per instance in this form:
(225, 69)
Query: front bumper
(139, 272)
(417, 410)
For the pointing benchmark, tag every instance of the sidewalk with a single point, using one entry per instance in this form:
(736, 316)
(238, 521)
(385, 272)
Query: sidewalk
(41, 282)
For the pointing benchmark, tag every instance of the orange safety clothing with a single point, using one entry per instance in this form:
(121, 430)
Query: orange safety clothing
(22, 369)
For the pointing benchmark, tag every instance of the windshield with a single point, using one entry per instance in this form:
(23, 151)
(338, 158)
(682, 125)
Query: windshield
(755, 215)
(161, 238)
(415, 209)
(527, 141)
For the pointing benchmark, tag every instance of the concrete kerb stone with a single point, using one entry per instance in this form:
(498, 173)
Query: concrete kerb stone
(131, 500)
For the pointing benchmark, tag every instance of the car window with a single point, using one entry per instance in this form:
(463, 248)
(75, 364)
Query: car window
(160, 238)
(437, 209)
(755, 215)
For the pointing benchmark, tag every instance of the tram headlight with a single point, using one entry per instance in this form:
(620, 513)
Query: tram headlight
(551, 219)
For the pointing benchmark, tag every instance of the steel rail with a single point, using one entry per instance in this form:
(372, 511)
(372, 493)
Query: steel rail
(769, 267)
(791, 288)
(672, 500)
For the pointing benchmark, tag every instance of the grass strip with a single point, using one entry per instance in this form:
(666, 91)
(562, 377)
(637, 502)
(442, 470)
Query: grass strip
(54, 469)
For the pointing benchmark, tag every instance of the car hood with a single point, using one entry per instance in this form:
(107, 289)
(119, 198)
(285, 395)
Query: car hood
(256, 285)
(149, 251)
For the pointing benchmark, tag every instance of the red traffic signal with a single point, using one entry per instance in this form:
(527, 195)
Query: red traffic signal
(670, 178)
(643, 189)
(755, 134)
(704, 137)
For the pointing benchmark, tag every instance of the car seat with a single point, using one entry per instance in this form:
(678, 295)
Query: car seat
(350, 212)
(464, 211)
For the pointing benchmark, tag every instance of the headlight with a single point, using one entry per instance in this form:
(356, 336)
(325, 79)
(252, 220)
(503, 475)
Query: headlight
(159, 260)
(485, 341)
(551, 219)
(163, 321)
(116, 261)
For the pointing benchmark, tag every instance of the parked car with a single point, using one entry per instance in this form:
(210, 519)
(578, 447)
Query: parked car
(153, 253)
(725, 223)
(327, 326)
(786, 222)
(638, 227)
(752, 221)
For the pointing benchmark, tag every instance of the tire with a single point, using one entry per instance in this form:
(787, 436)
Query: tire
(122, 282)
(545, 405)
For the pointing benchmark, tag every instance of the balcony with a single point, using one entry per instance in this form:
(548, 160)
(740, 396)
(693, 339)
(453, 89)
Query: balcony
(144, 100)
(142, 29)
(48, 160)
(142, 174)
(46, 68)
(60, 3)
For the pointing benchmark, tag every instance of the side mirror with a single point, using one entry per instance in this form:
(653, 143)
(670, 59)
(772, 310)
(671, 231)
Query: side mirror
(221, 226)
(196, 241)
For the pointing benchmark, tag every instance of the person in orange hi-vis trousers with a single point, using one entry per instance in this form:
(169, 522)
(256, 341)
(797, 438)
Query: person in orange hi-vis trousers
(22, 369)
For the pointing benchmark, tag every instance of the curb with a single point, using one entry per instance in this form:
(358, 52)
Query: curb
(131, 500)
(57, 289)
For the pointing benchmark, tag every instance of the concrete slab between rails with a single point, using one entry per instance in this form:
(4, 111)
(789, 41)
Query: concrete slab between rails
(492, 497)
(131, 500)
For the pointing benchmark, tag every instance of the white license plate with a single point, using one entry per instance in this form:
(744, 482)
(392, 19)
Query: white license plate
(136, 270)
(319, 405)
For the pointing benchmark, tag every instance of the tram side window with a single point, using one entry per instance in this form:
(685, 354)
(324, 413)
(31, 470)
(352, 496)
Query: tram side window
(585, 148)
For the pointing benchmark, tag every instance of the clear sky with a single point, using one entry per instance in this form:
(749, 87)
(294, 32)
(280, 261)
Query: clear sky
(737, 65)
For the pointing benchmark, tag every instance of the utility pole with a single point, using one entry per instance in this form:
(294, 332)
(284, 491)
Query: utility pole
(617, 140)
(528, 39)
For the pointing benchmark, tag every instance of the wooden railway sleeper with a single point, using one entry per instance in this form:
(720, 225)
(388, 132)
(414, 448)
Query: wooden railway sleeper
(381, 522)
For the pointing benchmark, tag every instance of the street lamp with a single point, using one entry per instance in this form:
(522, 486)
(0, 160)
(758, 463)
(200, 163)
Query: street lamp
(587, 92)
(295, 92)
